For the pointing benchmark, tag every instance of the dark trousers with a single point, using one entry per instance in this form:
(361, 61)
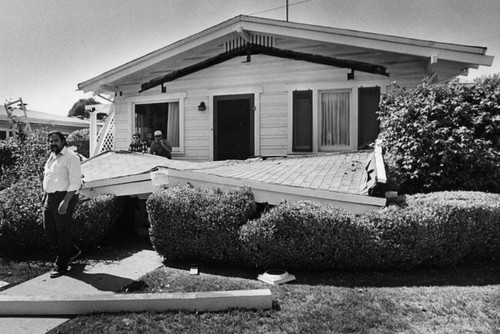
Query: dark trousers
(59, 226)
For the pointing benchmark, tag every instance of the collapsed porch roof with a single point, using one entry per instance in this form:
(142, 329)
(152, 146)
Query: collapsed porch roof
(341, 179)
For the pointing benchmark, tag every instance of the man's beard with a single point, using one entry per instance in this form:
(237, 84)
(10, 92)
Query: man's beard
(55, 149)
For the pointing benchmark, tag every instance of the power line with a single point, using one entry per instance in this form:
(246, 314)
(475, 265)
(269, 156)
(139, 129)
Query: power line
(280, 7)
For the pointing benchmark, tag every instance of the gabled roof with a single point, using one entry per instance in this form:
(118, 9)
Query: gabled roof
(341, 44)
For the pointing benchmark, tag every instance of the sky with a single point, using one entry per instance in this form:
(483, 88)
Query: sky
(47, 47)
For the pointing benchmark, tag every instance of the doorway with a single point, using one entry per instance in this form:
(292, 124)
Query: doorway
(233, 127)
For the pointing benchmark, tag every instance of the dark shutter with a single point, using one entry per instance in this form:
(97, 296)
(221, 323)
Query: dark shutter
(302, 121)
(368, 125)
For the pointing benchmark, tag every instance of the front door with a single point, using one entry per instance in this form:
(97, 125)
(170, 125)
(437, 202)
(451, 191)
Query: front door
(233, 127)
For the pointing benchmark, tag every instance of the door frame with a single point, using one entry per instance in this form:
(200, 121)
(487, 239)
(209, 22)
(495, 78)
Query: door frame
(256, 91)
(233, 97)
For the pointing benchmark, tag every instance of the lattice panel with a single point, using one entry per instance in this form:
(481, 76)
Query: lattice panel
(106, 137)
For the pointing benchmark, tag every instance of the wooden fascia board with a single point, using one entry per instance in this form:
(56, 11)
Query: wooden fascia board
(421, 48)
(271, 193)
(124, 189)
(275, 52)
(115, 181)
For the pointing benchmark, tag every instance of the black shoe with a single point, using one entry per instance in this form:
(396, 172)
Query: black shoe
(76, 253)
(57, 272)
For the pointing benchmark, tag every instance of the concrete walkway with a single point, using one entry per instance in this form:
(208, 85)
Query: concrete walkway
(85, 277)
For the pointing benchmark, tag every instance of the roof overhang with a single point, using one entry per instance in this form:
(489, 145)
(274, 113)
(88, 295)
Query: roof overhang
(339, 44)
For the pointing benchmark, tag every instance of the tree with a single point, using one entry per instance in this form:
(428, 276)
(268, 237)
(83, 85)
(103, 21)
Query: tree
(78, 109)
(80, 139)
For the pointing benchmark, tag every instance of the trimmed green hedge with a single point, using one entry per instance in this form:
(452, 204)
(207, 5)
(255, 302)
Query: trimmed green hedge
(437, 229)
(21, 216)
(95, 218)
(304, 235)
(21, 223)
(199, 224)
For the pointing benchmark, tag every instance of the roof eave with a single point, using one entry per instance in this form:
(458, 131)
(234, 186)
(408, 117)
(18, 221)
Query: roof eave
(472, 55)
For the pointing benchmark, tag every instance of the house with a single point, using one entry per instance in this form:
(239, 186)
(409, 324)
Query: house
(252, 87)
(38, 119)
(287, 108)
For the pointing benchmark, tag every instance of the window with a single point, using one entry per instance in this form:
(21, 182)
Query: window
(334, 119)
(158, 116)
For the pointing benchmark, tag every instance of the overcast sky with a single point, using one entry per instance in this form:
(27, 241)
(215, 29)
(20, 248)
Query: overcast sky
(47, 47)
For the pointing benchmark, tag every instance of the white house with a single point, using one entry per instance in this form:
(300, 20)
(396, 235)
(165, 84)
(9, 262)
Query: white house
(251, 87)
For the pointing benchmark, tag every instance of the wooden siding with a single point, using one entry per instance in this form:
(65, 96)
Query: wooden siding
(274, 77)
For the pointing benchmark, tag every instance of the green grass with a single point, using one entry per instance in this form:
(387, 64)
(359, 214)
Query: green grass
(461, 300)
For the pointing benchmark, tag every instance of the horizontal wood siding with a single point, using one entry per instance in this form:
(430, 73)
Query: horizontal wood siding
(272, 75)
(123, 125)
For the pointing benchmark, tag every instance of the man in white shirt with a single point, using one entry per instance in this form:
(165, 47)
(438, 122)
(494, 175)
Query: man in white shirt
(61, 181)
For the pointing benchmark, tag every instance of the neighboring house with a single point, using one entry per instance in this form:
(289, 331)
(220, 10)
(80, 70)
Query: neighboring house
(40, 119)
(259, 87)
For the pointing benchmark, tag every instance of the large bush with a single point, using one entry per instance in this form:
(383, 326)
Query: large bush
(21, 221)
(80, 139)
(7, 160)
(95, 218)
(198, 224)
(21, 216)
(439, 229)
(443, 137)
(304, 235)
(27, 157)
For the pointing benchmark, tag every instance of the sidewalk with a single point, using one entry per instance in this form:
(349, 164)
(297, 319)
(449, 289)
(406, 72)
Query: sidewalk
(85, 277)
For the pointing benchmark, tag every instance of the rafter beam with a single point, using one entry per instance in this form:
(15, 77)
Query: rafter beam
(275, 52)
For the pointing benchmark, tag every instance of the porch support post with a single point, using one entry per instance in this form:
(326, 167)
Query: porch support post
(92, 132)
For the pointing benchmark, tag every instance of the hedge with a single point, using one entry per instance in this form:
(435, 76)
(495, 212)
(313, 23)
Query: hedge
(304, 235)
(21, 222)
(199, 224)
(438, 229)
(95, 218)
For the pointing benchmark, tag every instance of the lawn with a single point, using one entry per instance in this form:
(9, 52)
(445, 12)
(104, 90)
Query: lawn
(460, 300)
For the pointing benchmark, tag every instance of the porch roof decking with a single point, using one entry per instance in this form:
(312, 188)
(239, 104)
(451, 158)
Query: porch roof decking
(335, 177)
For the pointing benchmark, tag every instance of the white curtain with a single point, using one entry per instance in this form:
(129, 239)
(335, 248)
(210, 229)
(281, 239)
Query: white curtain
(334, 118)
(173, 124)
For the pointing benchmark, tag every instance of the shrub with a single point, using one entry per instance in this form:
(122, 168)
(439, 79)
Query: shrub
(443, 137)
(7, 160)
(303, 235)
(438, 229)
(21, 222)
(467, 225)
(80, 139)
(21, 216)
(29, 154)
(198, 224)
(95, 218)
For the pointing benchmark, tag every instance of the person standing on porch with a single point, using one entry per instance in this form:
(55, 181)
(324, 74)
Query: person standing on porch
(137, 145)
(161, 146)
(61, 181)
